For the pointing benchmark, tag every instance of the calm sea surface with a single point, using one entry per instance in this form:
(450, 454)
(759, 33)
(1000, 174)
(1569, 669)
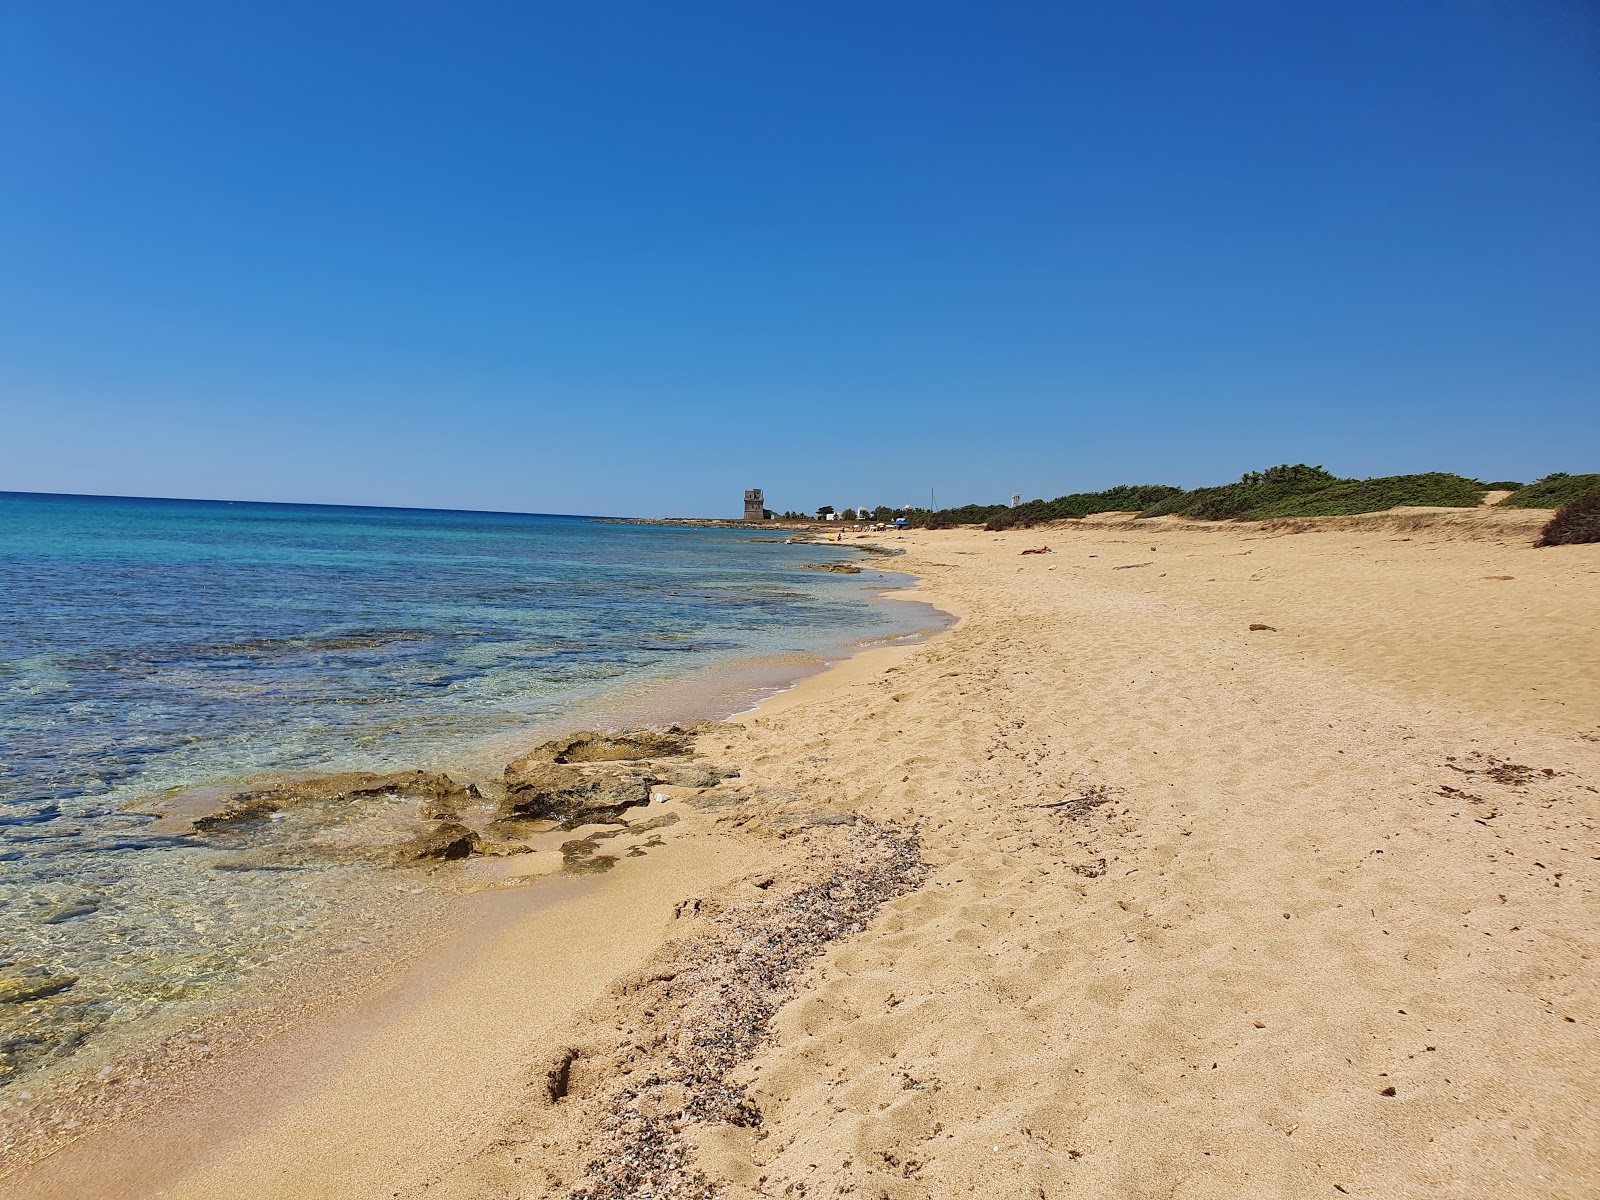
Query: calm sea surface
(149, 644)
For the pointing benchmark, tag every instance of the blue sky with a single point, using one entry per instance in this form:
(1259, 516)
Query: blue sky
(635, 257)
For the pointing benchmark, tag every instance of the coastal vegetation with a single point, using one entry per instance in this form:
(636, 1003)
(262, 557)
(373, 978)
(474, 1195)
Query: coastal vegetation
(1123, 498)
(1303, 491)
(1287, 490)
(1554, 491)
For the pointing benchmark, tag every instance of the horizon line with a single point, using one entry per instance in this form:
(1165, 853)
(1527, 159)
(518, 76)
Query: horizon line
(489, 512)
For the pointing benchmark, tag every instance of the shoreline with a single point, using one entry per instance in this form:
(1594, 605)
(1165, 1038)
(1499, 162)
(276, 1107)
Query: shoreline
(1340, 859)
(330, 978)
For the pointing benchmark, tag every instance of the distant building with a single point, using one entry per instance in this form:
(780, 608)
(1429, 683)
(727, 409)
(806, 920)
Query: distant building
(755, 505)
(1016, 499)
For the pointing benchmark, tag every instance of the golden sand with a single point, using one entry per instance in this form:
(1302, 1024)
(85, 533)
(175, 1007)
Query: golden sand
(1211, 911)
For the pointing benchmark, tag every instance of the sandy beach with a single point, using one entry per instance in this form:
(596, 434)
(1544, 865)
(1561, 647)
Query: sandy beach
(1192, 861)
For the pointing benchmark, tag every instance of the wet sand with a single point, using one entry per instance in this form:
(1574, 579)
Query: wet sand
(1304, 910)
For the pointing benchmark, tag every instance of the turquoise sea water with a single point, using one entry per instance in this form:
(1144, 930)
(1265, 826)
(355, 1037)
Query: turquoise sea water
(151, 644)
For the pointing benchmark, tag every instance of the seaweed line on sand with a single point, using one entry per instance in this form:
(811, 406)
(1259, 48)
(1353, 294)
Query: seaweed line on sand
(714, 1013)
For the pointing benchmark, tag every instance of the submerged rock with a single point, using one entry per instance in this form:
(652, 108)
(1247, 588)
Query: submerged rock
(446, 840)
(441, 795)
(446, 798)
(66, 912)
(17, 987)
(832, 568)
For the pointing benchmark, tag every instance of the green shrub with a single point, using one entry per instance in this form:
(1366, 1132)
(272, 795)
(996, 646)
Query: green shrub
(1553, 491)
(1288, 490)
(973, 514)
(1255, 490)
(1020, 517)
(1305, 491)
(1122, 498)
(1574, 523)
(1435, 489)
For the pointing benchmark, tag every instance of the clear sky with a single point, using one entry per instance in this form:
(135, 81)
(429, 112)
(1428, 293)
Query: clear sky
(635, 257)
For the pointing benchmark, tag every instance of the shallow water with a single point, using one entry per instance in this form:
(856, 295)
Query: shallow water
(147, 645)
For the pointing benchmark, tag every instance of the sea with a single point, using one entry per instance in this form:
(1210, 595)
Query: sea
(148, 646)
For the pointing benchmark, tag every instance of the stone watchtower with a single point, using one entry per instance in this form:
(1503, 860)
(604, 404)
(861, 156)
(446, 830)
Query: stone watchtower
(755, 505)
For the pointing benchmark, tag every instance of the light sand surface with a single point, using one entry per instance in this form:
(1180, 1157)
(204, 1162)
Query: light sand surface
(1199, 897)
(410, 1082)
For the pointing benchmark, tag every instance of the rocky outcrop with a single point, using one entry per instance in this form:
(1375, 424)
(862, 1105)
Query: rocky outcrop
(614, 747)
(544, 790)
(832, 568)
(597, 776)
(581, 779)
(694, 774)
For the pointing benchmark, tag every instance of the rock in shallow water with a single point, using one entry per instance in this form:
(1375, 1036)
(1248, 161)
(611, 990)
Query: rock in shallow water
(18, 988)
(219, 808)
(447, 840)
(66, 912)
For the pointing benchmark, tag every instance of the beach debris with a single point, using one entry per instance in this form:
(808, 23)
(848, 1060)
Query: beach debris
(1260, 628)
(1080, 805)
(1498, 770)
(1130, 566)
(1040, 550)
(712, 1001)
